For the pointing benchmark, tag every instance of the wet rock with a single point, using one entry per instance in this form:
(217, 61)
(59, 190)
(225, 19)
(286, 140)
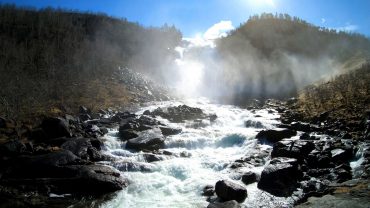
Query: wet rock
(84, 110)
(300, 126)
(125, 135)
(253, 124)
(208, 190)
(179, 113)
(81, 179)
(12, 148)
(83, 148)
(167, 131)
(84, 117)
(153, 158)
(55, 127)
(275, 135)
(280, 177)
(249, 177)
(147, 140)
(227, 204)
(340, 155)
(227, 190)
(293, 149)
(134, 166)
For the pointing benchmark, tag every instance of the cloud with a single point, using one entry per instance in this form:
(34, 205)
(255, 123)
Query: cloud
(218, 30)
(347, 28)
(323, 20)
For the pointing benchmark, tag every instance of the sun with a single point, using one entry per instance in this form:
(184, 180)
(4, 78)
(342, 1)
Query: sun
(261, 3)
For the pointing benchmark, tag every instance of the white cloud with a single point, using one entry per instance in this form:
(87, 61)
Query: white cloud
(218, 30)
(323, 20)
(347, 28)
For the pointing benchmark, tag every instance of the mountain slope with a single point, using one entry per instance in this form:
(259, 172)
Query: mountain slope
(57, 57)
(275, 56)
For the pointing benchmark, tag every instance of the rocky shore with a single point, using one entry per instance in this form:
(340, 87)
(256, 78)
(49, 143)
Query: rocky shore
(62, 158)
(309, 161)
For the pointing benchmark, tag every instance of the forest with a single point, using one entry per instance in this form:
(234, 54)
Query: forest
(276, 56)
(52, 57)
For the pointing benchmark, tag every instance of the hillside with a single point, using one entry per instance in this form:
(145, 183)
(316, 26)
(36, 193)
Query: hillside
(52, 57)
(275, 56)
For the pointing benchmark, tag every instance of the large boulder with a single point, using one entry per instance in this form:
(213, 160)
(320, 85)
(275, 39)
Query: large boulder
(274, 135)
(55, 127)
(12, 148)
(83, 148)
(167, 131)
(227, 204)
(61, 172)
(147, 140)
(179, 113)
(227, 190)
(280, 177)
(249, 177)
(294, 149)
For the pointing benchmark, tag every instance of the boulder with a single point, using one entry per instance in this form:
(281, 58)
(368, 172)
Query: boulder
(208, 190)
(227, 190)
(147, 140)
(179, 113)
(227, 204)
(253, 124)
(129, 166)
(167, 131)
(55, 127)
(298, 149)
(83, 148)
(12, 148)
(249, 177)
(274, 135)
(280, 177)
(341, 155)
(125, 135)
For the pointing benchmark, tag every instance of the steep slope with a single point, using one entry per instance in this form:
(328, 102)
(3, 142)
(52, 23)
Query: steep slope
(278, 55)
(55, 57)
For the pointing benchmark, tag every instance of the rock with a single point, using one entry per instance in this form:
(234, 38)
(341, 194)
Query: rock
(275, 135)
(83, 148)
(134, 166)
(84, 117)
(179, 113)
(55, 127)
(253, 124)
(125, 135)
(153, 158)
(84, 110)
(280, 177)
(340, 155)
(300, 126)
(167, 131)
(147, 140)
(249, 177)
(2, 122)
(12, 148)
(208, 190)
(227, 190)
(227, 204)
(305, 136)
(293, 149)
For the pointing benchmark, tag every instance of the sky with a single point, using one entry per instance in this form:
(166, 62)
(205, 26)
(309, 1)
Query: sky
(212, 18)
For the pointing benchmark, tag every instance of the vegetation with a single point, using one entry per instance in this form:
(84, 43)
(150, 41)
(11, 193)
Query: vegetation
(346, 95)
(275, 56)
(52, 57)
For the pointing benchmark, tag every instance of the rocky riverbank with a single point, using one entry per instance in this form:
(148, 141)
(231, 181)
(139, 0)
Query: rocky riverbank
(63, 158)
(324, 161)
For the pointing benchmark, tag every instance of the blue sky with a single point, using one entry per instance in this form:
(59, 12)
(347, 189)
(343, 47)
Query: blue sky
(194, 17)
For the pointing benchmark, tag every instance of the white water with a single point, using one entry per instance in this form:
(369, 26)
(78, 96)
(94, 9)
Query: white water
(178, 181)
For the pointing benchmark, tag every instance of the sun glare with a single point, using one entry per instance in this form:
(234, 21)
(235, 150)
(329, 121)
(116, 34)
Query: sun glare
(261, 3)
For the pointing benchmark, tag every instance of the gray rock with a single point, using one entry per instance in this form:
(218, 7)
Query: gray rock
(147, 140)
(227, 190)
(275, 135)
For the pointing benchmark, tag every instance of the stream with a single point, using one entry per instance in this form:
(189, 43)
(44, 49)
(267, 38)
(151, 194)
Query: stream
(206, 150)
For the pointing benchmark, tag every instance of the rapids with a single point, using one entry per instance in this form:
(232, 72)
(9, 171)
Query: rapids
(210, 147)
